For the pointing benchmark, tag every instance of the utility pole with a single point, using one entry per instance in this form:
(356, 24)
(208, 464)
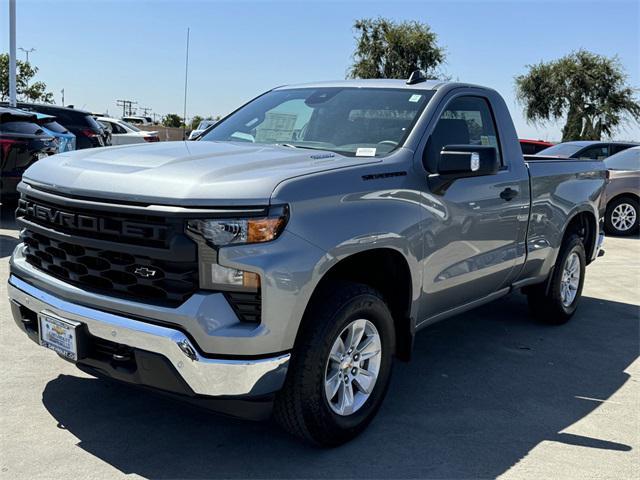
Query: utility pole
(62, 92)
(126, 106)
(12, 53)
(145, 110)
(186, 76)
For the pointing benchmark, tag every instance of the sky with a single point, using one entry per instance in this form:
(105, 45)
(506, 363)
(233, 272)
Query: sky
(102, 51)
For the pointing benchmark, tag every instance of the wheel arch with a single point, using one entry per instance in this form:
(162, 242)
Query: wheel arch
(584, 224)
(386, 270)
(626, 194)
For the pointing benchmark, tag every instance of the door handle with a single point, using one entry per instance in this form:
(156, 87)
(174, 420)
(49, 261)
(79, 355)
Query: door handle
(508, 194)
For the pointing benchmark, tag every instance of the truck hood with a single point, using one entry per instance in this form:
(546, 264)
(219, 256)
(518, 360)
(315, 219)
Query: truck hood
(182, 173)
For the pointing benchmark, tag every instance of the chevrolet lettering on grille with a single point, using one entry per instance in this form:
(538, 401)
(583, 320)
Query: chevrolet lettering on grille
(88, 223)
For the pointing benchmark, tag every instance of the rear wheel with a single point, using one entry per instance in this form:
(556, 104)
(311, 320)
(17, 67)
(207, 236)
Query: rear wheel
(340, 367)
(622, 217)
(557, 301)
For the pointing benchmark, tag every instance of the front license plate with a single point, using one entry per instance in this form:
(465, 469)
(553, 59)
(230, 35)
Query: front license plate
(59, 335)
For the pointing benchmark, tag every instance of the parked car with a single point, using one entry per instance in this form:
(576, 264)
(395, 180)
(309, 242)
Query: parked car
(66, 139)
(623, 192)
(123, 134)
(288, 255)
(22, 143)
(531, 147)
(201, 128)
(82, 124)
(137, 120)
(586, 149)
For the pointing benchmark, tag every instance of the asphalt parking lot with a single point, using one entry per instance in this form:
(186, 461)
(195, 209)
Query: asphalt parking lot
(489, 393)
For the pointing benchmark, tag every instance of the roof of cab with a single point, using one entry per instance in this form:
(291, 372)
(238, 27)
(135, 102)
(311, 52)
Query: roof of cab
(379, 83)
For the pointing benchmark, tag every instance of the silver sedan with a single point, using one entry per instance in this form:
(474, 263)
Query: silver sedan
(623, 192)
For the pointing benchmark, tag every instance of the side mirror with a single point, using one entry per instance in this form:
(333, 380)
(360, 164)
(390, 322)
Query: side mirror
(458, 161)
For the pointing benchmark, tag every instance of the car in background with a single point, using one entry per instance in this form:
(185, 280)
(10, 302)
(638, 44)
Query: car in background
(22, 143)
(123, 133)
(622, 194)
(66, 139)
(586, 149)
(82, 124)
(137, 120)
(201, 128)
(531, 147)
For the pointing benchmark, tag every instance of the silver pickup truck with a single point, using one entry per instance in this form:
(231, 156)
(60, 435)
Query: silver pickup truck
(278, 264)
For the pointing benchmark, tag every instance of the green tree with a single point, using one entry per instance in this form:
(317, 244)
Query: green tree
(172, 120)
(589, 91)
(195, 121)
(386, 49)
(25, 89)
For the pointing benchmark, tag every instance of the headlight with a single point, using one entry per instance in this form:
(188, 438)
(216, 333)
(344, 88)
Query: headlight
(213, 233)
(220, 232)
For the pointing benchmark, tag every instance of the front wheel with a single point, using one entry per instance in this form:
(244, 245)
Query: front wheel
(622, 217)
(340, 366)
(557, 302)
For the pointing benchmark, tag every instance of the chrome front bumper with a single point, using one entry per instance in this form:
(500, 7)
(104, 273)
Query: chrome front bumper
(205, 376)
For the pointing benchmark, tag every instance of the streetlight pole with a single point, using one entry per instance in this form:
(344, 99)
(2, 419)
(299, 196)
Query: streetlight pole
(186, 76)
(27, 52)
(12, 53)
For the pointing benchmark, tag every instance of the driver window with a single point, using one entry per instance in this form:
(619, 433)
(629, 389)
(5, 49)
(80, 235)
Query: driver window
(465, 121)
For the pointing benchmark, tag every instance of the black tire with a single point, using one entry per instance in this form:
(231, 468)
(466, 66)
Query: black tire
(609, 226)
(546, 303)
(301, 406)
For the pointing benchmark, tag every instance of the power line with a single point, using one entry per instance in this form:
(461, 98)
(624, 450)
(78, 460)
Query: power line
(127, 107)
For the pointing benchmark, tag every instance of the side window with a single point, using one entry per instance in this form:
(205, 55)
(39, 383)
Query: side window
(117, 128)
(465, 121)
(594, 153)
(618, 148)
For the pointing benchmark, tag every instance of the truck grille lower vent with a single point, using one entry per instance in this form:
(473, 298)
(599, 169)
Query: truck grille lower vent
(109, 272)
(246, 305)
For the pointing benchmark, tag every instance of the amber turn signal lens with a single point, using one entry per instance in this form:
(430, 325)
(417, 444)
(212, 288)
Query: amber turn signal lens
(264, 229)
(251, 280)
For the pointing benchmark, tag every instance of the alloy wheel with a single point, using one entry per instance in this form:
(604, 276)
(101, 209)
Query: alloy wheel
(352, 367)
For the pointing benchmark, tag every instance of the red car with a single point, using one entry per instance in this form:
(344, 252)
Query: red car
(531, 147)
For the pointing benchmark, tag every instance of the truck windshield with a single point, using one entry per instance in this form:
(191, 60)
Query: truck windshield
(349, 121)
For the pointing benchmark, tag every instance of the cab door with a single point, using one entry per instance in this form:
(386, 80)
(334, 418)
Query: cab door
(472, 247)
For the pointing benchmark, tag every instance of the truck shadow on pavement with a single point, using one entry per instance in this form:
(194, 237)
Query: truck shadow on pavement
(482, 391)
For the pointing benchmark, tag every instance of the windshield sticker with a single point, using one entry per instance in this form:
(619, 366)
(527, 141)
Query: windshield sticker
(415, 98)
(366, 152)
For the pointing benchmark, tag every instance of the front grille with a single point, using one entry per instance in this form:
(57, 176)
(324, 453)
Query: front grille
(134, 229)
(112, 272)
(246, 305)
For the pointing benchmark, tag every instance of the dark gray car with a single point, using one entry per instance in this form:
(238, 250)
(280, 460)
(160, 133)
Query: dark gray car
(622, 192)
(586, 149)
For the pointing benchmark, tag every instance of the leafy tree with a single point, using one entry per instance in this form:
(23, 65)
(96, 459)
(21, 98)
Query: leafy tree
(195, 121)
(172, 120)
(590, 91)
(386, 49)
(25, 90)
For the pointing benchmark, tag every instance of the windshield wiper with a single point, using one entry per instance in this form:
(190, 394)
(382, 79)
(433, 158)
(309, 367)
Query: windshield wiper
(289, 145)
(305, 147)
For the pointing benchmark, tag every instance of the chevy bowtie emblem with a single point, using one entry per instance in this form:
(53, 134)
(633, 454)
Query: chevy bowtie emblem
(145, 272)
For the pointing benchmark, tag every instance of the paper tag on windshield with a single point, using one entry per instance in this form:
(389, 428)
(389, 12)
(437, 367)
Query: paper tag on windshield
(366, 152)
(415, 98)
